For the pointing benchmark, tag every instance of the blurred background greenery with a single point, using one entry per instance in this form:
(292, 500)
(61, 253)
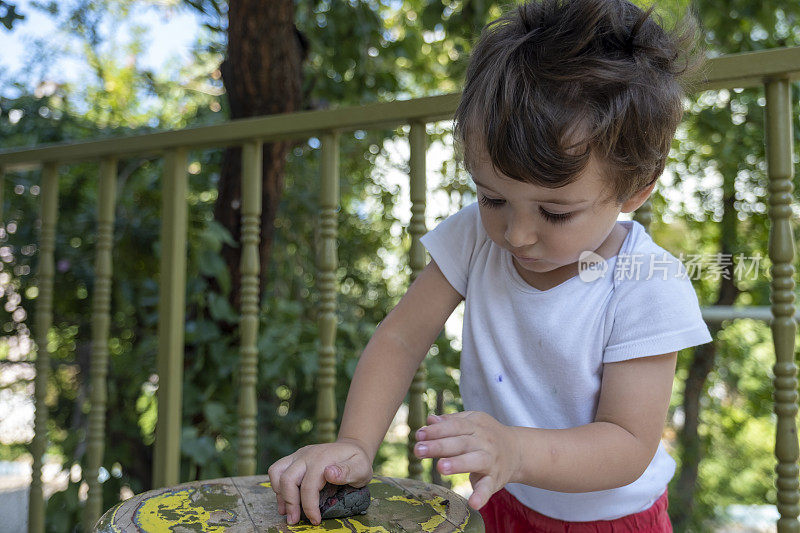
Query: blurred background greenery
(712, 200)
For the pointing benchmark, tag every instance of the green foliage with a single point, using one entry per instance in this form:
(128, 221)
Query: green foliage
(721, 141)
(288, 342)
(63, 510)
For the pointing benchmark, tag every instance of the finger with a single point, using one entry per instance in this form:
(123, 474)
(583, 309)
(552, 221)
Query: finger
(309, 496)
(281, 506)
(468, 462)
(445, 428)
(274, 473)
(442, 447)
(433, 430)
(290, 490)
(483, 491)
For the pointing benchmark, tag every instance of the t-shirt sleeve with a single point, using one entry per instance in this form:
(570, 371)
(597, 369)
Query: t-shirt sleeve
(652, 316)
(452, 244)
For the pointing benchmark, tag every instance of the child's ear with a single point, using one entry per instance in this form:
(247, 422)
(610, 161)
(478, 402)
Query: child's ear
(634, 202)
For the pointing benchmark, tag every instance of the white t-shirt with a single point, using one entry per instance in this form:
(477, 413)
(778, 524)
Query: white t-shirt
(535, 358)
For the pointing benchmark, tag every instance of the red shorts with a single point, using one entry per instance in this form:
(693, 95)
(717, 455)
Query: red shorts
(503, 513)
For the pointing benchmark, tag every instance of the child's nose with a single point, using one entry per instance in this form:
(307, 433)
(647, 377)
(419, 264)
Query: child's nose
(520, 232)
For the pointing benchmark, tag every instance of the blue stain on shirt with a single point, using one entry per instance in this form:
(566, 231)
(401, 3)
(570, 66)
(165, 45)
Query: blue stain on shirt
(499, 378)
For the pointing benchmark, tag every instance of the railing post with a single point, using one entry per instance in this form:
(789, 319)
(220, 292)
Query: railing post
(781, 253)
(250, 269)
(326, 281)
(44, 319)
(417, 409)
(171, 320)
(101, 305)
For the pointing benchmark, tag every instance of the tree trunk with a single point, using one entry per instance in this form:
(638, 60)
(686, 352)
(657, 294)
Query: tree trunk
(682, 503)
(262, 74)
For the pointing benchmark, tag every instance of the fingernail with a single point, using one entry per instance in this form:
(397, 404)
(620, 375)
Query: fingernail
(436, 417)
(420, 434)
(422, 449)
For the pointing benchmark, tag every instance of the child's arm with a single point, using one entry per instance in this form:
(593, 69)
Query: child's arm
(610, 452)
(381, 380)
(617, 447)
(393, 355)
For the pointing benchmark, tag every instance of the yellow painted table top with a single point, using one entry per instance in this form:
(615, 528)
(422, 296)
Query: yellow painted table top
(248, 504)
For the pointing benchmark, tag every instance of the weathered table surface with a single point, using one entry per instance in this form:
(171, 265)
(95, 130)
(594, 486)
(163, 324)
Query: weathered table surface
(248, 504)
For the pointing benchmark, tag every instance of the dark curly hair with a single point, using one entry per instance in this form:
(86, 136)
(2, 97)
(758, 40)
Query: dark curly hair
(553, 82)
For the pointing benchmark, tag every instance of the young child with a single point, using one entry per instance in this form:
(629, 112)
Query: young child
(572, 319)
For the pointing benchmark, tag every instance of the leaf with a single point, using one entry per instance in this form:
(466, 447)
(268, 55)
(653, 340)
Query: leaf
(432, 14)
(221, 309)
(213, 265)
(215, 234)
(199, 448)
(215, 414)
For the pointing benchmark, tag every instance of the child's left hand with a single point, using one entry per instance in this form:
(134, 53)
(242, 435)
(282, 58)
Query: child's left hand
(474, 442)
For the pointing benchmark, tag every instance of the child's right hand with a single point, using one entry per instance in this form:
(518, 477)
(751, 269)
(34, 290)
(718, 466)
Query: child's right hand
(298, 478)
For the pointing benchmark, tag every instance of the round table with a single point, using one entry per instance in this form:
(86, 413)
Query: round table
(248, 504)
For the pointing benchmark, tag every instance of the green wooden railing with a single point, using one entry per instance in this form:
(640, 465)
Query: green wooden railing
(772, 69)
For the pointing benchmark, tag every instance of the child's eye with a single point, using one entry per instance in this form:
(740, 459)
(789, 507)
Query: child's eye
(556, 218)
(491, 202)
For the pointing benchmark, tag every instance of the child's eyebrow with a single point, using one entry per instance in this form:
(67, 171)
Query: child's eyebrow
(551, 201)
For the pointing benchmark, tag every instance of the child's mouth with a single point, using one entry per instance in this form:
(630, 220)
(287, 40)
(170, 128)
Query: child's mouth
(525, 259)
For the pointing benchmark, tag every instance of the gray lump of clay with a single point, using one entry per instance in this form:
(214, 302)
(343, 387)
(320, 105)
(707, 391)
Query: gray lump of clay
(341, 501)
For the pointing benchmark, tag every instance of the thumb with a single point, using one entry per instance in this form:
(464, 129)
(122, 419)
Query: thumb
(483, 491)
(335, 474)
(350, 472)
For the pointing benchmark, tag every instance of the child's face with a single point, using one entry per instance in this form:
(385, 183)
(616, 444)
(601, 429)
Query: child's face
(547, 229)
